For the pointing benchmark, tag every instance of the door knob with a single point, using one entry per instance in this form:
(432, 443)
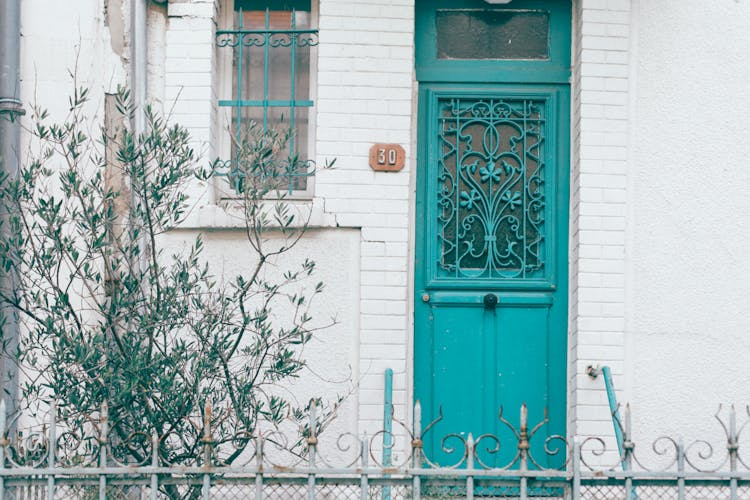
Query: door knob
(490, 301)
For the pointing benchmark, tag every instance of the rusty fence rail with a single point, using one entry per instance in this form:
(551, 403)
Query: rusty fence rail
(54, 462)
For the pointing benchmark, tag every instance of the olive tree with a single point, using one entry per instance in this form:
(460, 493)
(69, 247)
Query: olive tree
(112, 317)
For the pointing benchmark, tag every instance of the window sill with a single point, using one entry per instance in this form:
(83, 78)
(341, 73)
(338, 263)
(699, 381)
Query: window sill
(228, 215)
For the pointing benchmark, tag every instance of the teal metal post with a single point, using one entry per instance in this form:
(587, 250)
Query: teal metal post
(614, 410)
(240, 95)
(617, 423)
(388, 427)
(292, 98)
(266, 68)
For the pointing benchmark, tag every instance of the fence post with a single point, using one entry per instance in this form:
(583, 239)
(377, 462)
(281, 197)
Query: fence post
(3, 444)
(312, 441)
(387, 427)
(103, 439)
(469, 467)
(416, 449)
(627, 463)
(680, 470)
(207, 452)
(51, 452)
(155, 464)
(576, 470)
(259, 467)
(733, 447)
(523, 449)
(364, 487)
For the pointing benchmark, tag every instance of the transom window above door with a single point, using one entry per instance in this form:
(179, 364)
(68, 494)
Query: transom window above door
(522, 41)
(492, 34)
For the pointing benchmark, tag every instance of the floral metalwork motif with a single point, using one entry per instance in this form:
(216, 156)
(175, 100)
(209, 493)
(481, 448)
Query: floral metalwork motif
(490, 190)
(272, 38)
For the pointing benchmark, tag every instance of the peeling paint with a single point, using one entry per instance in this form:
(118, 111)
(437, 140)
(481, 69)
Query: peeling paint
(114, 19)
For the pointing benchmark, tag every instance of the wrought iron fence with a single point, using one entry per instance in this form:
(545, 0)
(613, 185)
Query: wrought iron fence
(56, 462)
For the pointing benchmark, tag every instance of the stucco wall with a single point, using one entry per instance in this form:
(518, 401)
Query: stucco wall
(61, 38)
(689, 275)
(332, 353)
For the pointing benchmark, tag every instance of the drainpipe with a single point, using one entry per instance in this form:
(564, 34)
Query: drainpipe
(10, 133)
(138, 79)
(138, 61)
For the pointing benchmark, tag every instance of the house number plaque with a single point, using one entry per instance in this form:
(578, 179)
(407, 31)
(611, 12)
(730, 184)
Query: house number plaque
(387, 157)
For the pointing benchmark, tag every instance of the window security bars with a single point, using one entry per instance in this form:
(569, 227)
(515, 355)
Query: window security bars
(271, 86)
(59, 462)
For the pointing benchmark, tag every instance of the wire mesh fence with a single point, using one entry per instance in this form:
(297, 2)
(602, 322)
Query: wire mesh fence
(56, 462)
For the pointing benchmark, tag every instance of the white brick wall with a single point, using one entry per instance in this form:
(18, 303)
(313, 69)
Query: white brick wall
(365, 63)
(190, 78)
(598, 201)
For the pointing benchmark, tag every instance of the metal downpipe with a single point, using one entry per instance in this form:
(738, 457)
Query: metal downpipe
(10, 137)
(138, 82)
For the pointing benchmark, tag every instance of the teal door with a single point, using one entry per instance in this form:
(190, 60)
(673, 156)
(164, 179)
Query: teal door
(492, 233)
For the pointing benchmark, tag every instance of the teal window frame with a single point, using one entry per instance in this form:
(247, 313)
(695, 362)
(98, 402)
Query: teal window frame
(553, 69)
(242, 38)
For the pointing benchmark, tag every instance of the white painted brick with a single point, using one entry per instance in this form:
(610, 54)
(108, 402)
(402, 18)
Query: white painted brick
(600, 267)
(176, 66)
(605, 123)
(599, 294)
(383, 263)
(385, 307)
(601, 237)
(595, 29)
(617, 57)
(383, 292)
(593, 413)
(612, 70)
(334, 205)
(399, 278)
(384, 234)
(382, 322)
(603, 152)
(588, 397)
(188, 93)
(193, 9)
(394, 337)
(604, 97)
(601, 352)
(594, 83)
(613, 338)
(190, 25)
(616, 84)
(594, 4)
(604, 209)
(606, 16)
(399, 249)
(372, 248)
(605, 43)
(622, 5)
(376, 366)
(613, 252)
(591, 111)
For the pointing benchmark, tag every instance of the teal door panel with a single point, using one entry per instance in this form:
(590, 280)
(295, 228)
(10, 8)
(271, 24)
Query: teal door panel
(492, 209)
(491, 257)
(484, 367)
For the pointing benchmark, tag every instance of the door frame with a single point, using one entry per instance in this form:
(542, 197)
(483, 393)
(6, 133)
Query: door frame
(555, 279)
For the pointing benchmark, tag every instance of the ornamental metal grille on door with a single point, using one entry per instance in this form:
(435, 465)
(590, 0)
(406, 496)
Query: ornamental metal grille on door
(490, 197)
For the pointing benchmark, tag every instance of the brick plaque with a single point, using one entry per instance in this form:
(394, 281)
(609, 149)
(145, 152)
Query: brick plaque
(387, 157)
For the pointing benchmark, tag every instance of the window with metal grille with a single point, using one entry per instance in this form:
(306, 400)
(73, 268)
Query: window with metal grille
(272, 43)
